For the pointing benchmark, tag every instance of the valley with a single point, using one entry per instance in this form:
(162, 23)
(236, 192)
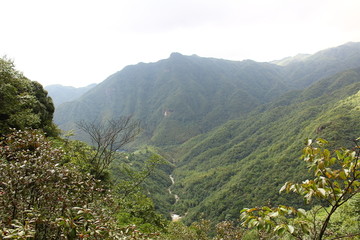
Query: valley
(180, 120)
(235, 130)
(174, 217)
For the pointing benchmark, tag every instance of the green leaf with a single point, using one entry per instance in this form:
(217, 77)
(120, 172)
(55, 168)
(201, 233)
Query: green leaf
(322, 192)
(284, 187)
(244, 210)
(273, 214)
(279, 229)
(291, 228)
(342, 175)
(321, 141)
(301, 212)
(253, 223)
(266, 208)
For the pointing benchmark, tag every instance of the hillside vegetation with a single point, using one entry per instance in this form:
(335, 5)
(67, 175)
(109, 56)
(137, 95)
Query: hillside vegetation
(179, 97)
(233, 130)
(184, 96)
(23, 103)
(243, 162)
(216, 136)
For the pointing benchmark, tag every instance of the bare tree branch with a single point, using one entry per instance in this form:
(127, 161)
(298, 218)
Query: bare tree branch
(107, 138)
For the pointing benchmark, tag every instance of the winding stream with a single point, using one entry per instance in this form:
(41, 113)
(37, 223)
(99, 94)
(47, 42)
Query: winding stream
(175, 217)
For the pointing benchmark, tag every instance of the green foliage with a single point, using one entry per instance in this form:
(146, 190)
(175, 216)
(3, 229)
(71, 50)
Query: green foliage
(43, 199)
(132, 173)
(129, 176)
(179, 231)
(347, 217)
(204, 230)
(23, 103)
(141, 179)
(138, 210)
(177, 98)
(246, 160)
(323, 64)
(184, 96)
(77, 153)
(186, 102)
(336, 180)
(136, 180)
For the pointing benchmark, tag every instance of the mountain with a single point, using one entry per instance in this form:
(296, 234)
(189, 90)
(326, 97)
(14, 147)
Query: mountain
(61, 94)
(179, 97)
(232, 129)
(182, 96)
(322, 64)
(289, 60)
(244, 162)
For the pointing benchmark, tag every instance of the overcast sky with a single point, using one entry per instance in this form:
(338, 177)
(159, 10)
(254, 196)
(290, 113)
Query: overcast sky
(78, 42)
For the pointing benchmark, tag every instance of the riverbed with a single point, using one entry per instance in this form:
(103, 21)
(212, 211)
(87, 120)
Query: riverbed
(175, 217)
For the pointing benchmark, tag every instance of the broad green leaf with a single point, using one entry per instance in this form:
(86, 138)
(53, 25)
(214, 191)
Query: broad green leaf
(342, 175)
(279, 229)
(273, 214)
(301, 212)
(291, 228)
(322, 192)
(266, 208)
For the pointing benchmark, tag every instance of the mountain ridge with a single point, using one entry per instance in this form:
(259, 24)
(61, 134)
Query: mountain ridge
(204, 91)
(234, 159)
(233, 129)
(187, 86)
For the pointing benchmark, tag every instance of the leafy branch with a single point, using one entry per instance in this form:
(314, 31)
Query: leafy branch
(336, 180)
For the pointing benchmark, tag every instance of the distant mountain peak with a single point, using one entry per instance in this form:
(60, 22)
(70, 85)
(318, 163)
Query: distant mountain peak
(176, 55)
(352, 44)
(288, 60)
(61, 94)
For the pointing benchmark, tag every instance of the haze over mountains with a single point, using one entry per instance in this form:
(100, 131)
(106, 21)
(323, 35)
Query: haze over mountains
(61, 94)
(232, 129)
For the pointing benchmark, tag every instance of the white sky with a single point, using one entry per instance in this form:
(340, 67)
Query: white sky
(78, 42)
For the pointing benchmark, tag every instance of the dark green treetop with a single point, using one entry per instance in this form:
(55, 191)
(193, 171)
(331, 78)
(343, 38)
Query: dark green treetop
(23, 103)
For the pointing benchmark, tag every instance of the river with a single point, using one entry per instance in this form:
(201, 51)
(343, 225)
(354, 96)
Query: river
(175, 217)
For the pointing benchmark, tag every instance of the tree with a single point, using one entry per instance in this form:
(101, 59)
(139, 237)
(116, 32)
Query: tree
(107, 138)
(132, 192)
(336, 181)
(127, 174)
(23, 103)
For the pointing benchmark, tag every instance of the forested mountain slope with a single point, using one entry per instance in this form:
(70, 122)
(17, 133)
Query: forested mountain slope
(244, 162)
(183, 96)
(322, 64)
(179, 97)
(233, 129)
